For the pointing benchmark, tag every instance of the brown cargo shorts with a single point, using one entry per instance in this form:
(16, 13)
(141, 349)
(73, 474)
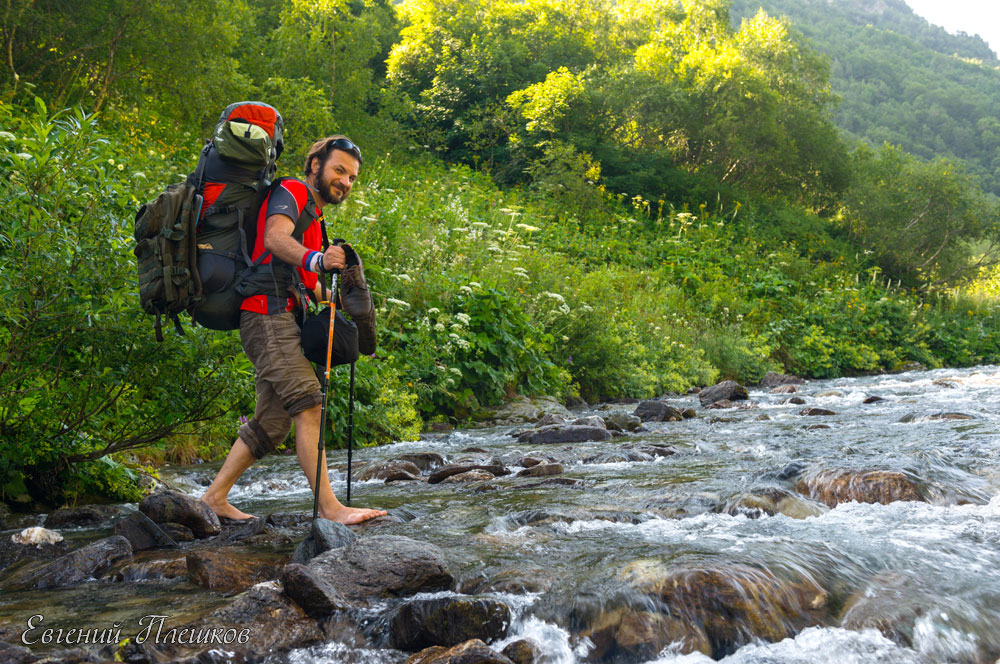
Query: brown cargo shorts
(285, 380)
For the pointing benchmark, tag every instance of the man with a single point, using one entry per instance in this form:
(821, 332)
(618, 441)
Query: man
(287, 388)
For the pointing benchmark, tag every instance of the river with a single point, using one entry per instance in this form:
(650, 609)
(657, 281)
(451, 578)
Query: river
(571, 546)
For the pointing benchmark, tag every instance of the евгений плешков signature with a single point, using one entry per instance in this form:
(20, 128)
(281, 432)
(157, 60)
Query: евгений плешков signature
(148, 628)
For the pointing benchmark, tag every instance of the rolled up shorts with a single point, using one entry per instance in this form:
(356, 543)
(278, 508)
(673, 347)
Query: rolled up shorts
(285, 380)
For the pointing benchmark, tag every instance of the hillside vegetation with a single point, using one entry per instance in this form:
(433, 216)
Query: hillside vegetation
(617, 200)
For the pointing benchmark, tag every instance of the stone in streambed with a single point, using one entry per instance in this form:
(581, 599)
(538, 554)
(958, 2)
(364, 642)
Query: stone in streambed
(734, 603)
(729, 390)
(523, 651)
(891, 603)
(423, 460)
(813, 412)
(657, 411)
(86, 516)
(542, 470)
(305, 586)
(446, 471)
(549, 420)
(470, 652)
(622, 421)
(833, 487)
(227, 571)
(79, 565)
(447, 621)
(142, 533)
(638, 635)
(323, 536)
(772, 501)
(381, 566)
(387, 470)
(774, 379)
(568, 434)
(176, 507)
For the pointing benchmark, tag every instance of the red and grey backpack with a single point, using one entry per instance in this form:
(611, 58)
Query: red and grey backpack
(192, 241)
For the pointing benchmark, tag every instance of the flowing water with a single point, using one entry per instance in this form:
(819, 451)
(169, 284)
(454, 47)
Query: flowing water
(568, 552)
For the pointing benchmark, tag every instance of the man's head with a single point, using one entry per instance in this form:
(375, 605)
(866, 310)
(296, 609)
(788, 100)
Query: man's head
(332, 166)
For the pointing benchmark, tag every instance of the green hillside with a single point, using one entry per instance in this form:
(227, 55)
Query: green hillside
(613, 200)
(903, 81)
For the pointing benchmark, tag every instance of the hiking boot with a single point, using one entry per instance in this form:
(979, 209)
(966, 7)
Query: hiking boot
(356, 300)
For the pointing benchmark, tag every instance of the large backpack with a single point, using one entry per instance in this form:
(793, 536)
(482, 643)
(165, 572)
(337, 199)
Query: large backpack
(193, 240)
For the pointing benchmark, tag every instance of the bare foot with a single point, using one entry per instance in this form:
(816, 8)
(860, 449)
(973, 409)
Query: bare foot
(224, 510)
(352, 515)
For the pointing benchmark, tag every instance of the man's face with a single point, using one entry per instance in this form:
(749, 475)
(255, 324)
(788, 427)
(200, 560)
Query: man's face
(334, 179)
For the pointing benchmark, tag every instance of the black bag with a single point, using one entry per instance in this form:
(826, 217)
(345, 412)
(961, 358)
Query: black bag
(316, 332)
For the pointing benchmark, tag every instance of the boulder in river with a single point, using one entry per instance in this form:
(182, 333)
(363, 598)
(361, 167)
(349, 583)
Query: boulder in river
(388, 470)
(176, 507)
(774, 379)
(622, 421)
(772, 501)
(542, 470)
(890, 602)
(425, 461)
(833, 487)
(447, 621)
(734, 604)
(814, 412)
(523, 651)
(76, 566)
(381, 566)
(567, 434)
(446, 471)
(470, 652)
(227, 570)
(142, 533)
(323, 536)
(727, 389)
(85, 516)
(522, 409)
(655, 410)
(639, 635)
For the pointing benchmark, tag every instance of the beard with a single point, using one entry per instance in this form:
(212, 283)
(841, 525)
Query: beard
(332, 194)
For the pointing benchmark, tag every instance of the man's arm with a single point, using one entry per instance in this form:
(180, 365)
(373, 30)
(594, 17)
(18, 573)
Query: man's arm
(279, 241)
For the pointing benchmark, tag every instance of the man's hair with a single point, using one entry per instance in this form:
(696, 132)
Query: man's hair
(322, 148)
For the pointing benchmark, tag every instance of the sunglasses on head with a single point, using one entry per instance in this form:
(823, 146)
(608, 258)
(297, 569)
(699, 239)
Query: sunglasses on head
(345, 145)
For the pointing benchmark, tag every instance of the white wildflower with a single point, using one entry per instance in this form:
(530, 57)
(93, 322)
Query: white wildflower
(463, 318)
(465, 289)
(526, 227)
(404, 277)
(111, 161)
(398, 303)
(479, 224)
(139, 175)
(565, 338)
(475, 284)
(24, 155)
(433, 310)
(360, 202)
(6, 135)
(439, 327)
(121, 167)
(456, 371)
(457, 327)
(555, 296)
(494, 248)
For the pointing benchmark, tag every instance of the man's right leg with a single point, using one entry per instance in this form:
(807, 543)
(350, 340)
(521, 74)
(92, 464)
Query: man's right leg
(217, 497)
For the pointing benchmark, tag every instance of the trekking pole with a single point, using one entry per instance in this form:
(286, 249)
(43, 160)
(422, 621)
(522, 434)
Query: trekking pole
(350, 434)
(326, 381)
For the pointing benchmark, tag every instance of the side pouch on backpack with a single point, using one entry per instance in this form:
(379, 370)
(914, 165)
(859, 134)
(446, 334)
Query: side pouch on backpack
(166, 254)
(316, 333)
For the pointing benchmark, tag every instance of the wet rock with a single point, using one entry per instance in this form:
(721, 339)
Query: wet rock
(950, 416)
(772, 501)
(227, 571)
(523, 651)
(446, 471)
(813, 427)
(14, 654)
(389, 469)
(176, 507)
(568, 434)
(74, 567)
(792, 469)
(556, 481)
(470, 652)
(149, 566)
(945, 383)
(447, 621)
(814, 412)
(784, 389)
(655, 410)
(619, 456)
(639, 635)
(721, 404)
(178, 532)
(517, 581)
(550, 419)
(475, 475)
(656, 450)
(774, 379)
(763, 417)
(878, 486)
(729, 390)
(288, 520)
(830, 393)
(252, 532)
(909, 366)
(425, 461)
(542, 470)
(324, 536)
(142, 533)
(308, 589)
(86, 516)
(523, 409)
(475, 450)
(733, 604)
(890, 603)
(689, 413)
(622, 421)
(379, 566)
(873, 399)
(528, 462)
(798, 401)
(590, 421)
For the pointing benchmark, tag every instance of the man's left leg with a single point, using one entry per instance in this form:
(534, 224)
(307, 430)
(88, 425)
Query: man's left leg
(307, 448)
